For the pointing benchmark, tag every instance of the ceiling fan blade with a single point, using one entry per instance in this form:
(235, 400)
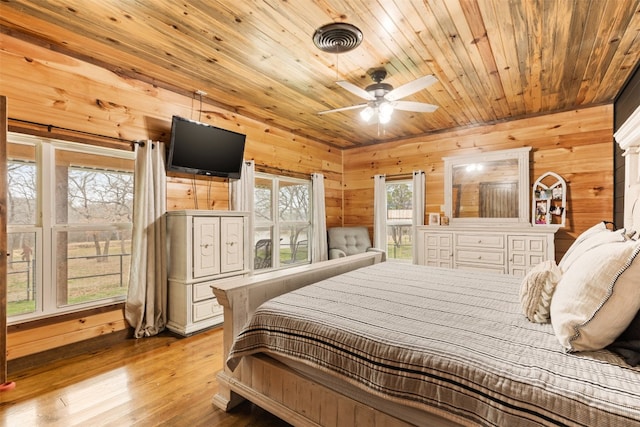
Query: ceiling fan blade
(411, 87)
(356, 90)
(419, 107)
(335, 110)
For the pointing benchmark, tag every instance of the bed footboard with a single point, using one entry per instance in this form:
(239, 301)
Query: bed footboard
(300, 401)
(241, 297)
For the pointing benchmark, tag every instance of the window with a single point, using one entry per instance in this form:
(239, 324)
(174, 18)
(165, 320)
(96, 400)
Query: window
(282, 221)
(69, 226)
(399, 220)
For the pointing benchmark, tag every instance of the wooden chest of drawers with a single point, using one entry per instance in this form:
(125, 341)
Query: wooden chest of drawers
(512, 250)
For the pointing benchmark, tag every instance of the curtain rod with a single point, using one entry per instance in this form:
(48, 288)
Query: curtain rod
(276, 170)
(401, 175)
(141, 144)
(50, 127)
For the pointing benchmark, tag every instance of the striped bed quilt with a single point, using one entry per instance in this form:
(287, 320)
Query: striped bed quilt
(454, 340)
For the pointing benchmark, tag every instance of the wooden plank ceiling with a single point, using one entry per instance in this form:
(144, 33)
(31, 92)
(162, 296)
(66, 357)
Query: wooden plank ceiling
(494, 59)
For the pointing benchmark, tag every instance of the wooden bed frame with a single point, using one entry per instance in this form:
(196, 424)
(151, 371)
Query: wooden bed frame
(303, 402)
(276, 387)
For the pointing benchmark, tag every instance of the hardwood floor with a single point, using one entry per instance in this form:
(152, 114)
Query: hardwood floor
(163, 380)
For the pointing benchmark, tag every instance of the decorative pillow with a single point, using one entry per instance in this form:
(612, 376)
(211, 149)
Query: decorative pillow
(627, 345)
(595, 236)
(632, 333)
(597, 296)
(537, 289)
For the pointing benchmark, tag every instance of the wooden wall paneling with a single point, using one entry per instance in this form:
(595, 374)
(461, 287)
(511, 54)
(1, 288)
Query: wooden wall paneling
(91, 99)
(55, 89)
(575, 144)
(209, 193)
(35, 340)
(51, 88)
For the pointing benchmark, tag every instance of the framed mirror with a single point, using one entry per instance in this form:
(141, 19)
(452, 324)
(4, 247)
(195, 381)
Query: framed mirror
(487, 188)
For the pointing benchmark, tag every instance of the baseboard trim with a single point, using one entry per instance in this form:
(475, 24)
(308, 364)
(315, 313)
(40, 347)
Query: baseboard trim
(69, 350)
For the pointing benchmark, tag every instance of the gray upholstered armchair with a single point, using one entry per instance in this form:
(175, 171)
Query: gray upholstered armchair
(344, 241)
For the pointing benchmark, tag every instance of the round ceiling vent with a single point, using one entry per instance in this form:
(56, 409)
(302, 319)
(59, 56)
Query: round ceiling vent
(337, 37)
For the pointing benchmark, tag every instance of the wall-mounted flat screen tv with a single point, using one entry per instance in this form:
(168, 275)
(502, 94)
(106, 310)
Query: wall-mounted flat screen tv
(203, 149)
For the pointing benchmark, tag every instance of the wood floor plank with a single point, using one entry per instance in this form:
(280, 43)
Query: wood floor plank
(163, 380)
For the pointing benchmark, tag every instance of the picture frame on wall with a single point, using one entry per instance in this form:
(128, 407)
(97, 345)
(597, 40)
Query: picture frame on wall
(434, 218)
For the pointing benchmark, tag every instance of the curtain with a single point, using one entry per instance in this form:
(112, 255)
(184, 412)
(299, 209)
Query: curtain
(319, 251)
(380, 212)
(241, 194)
(418, 208)
(241, 190)
(146, 305)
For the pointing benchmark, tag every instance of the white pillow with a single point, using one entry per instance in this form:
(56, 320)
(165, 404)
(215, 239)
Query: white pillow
(597, 297)
(537, 289)
(595, 236)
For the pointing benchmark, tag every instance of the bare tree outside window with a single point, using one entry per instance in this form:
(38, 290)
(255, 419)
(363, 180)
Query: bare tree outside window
(21, 211)
(399, 219)
(293, 207)
(262, 200)
(21, 205)
(61, 243)
(21, 182)
(100, 197)
(291, 220)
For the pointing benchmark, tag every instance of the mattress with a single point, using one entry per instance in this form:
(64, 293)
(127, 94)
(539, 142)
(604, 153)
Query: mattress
(454, 340)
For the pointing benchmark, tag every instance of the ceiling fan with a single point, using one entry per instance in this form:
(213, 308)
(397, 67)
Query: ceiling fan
(383, 99)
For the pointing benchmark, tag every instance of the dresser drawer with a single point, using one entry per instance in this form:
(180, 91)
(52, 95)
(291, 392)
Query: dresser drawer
(438, 254)
(440, 240)
(491, 268)
(202, 291)
(480, 240)
(527, 244)
(526, 259)
(206, 309)
(479, 256)
(512, 249)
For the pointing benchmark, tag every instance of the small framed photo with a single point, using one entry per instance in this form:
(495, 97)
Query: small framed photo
(556, 210)
(434, 218)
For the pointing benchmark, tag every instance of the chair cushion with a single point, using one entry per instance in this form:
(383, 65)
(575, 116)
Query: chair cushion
(350, 240)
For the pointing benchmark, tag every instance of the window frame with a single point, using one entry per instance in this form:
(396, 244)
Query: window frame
(46, 226)
(400, 222)
(276, 224)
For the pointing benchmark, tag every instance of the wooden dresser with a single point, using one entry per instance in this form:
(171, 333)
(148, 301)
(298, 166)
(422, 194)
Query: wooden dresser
(512, 250)
(203, 246)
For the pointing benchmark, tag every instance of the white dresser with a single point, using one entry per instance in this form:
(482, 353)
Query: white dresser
(202, 246)
(512, 250)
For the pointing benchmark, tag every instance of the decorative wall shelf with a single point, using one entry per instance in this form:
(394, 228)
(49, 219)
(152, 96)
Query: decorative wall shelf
(549, 204)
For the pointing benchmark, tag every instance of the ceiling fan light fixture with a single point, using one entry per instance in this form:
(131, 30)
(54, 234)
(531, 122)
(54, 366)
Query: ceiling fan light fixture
(386, 109)
(383, 99)
(367, 114)
(384, 118)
